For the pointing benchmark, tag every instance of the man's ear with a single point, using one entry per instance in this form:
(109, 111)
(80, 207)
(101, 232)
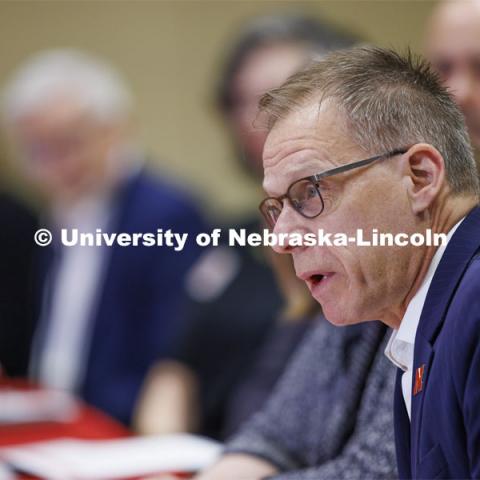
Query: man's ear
(424, 170)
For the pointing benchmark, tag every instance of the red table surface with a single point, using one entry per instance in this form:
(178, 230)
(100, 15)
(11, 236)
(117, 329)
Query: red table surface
(89, 424)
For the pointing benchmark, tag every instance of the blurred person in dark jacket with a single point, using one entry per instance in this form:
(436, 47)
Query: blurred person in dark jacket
(224, 370)
(18, 224)
(105, 313)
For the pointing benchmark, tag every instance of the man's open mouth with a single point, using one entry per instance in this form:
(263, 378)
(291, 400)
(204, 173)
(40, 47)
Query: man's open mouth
(316, 278)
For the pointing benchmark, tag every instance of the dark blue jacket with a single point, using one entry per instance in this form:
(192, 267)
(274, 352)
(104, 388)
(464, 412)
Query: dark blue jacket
(443, 439)
(139, 306)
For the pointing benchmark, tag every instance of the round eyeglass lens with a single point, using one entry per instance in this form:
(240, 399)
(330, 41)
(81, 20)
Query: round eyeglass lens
(271, 209)
(306, 198)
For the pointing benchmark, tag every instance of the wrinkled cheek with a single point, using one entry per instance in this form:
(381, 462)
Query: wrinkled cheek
(355, 292)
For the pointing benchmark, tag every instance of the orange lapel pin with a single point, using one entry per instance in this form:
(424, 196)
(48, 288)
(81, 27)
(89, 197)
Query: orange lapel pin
(418, 387)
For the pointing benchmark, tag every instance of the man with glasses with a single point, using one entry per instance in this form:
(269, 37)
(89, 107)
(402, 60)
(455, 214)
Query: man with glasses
(364, 101)
(419, 174)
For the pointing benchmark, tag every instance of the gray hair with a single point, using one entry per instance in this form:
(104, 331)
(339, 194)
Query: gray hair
(95, 84)
(388, 101)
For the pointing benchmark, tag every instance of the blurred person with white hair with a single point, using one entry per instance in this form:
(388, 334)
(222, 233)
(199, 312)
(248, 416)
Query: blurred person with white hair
(106, 313)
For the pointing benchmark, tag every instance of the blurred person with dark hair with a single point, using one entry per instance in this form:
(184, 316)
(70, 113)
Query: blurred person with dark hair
(263, 55)
(105, 313)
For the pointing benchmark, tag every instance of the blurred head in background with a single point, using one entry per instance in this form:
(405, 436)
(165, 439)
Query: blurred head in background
(67, 114)
(265, 53)
(453, 47)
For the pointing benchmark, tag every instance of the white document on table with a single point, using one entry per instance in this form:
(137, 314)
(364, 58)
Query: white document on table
(71, 459)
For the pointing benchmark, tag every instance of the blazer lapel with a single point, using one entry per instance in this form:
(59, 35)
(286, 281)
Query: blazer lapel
(458, 254)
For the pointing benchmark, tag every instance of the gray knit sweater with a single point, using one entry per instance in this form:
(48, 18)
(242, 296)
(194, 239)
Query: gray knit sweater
(331, 414)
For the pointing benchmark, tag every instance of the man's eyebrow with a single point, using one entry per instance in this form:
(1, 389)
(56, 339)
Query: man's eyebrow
(312, 167)
(293, 176)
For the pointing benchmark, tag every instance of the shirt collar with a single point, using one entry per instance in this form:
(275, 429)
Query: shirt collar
(400, 347)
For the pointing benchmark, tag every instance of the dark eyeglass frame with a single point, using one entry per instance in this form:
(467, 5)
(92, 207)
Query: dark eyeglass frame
(315, 179)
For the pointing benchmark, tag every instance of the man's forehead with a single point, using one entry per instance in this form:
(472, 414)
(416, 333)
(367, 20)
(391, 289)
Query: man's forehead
(309, 124)
(306, 142)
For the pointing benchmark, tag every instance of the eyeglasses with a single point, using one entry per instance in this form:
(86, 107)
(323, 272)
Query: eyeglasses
(304, 194)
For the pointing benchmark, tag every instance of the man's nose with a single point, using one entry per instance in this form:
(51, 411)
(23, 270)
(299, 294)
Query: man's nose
(288, 222)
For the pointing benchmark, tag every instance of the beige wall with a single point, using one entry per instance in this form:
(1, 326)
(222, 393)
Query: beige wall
(168, 51)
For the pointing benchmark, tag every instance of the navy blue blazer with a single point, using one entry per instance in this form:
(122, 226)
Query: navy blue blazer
(443, 438)
(139, 305)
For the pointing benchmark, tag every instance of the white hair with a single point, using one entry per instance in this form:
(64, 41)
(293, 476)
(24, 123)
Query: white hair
(45, 76)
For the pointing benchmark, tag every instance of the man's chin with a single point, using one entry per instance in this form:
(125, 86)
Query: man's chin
(340, 318)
